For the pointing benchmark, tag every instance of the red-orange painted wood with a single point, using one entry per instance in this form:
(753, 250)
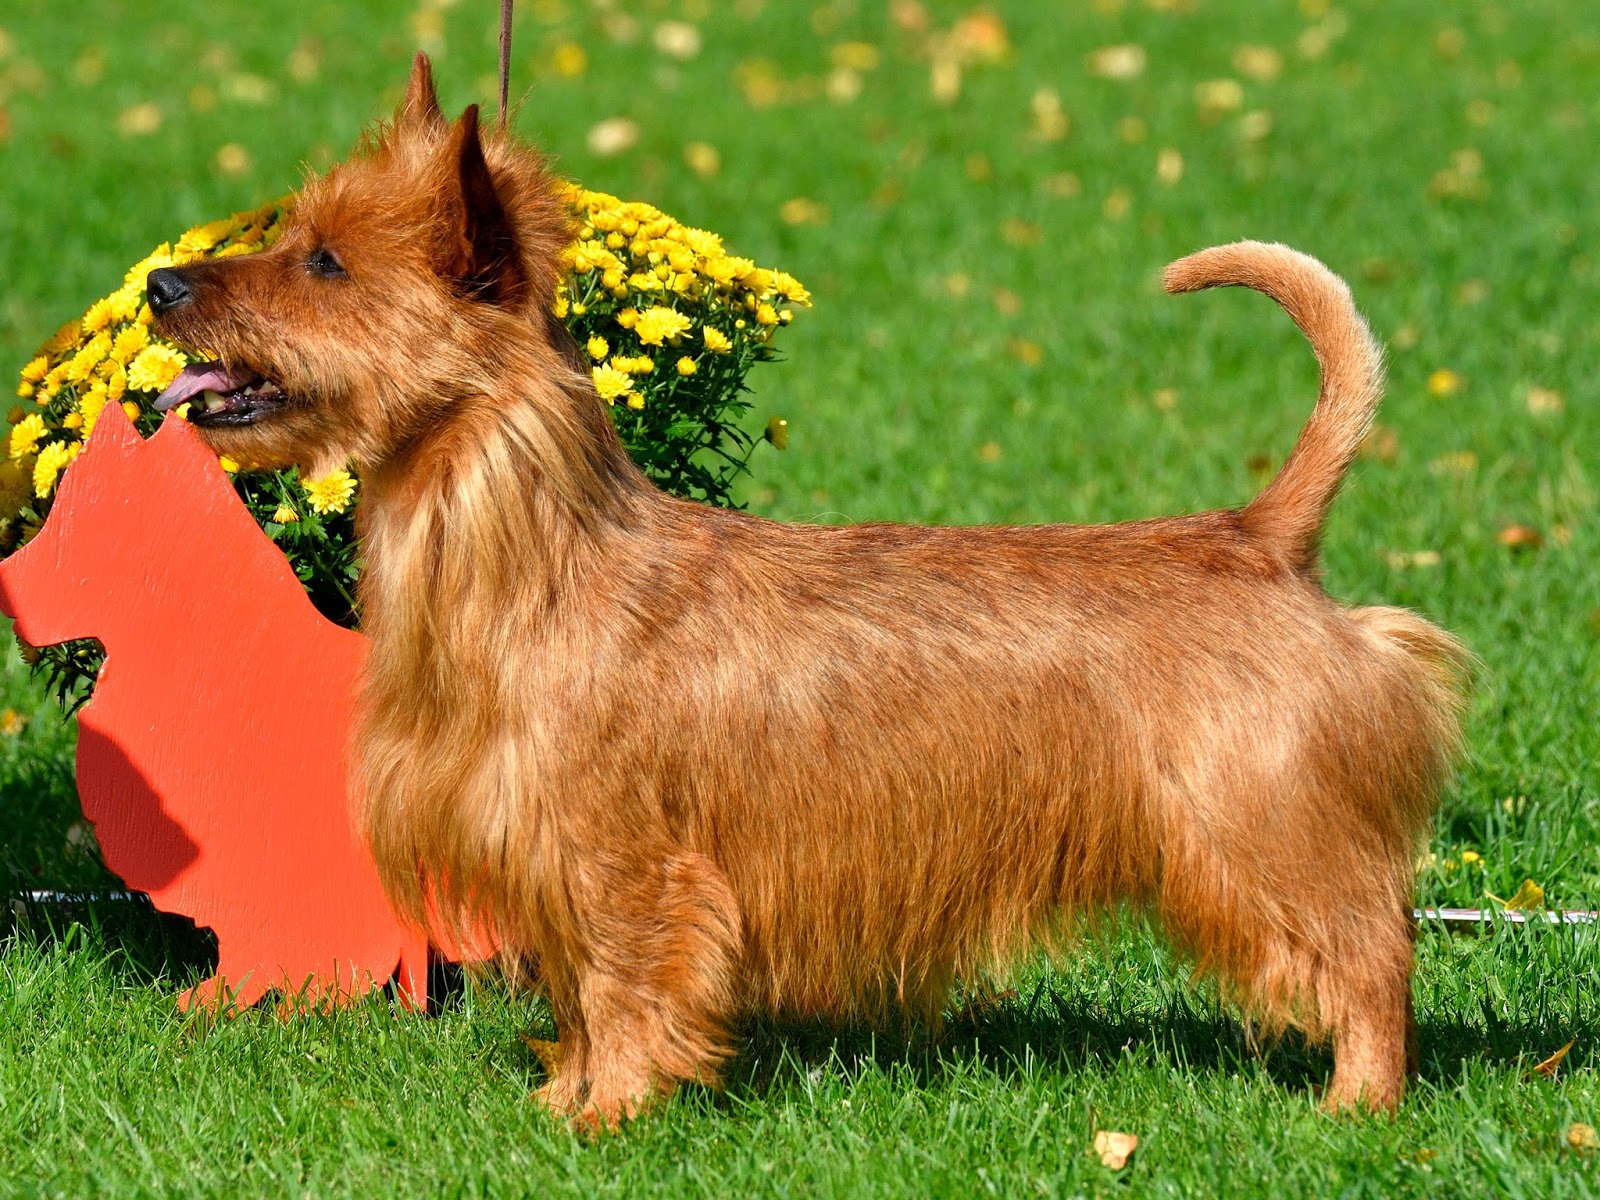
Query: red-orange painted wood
(212, 757)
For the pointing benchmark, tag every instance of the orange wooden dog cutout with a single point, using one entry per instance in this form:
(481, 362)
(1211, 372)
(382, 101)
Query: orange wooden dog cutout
(212, 757)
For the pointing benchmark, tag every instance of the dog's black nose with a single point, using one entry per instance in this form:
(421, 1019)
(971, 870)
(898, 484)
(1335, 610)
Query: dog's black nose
(167, 289)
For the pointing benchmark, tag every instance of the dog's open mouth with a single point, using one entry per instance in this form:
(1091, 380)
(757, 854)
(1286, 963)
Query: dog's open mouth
(219, 395)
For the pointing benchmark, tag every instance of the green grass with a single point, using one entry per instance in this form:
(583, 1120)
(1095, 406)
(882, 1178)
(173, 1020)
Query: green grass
(909, 401)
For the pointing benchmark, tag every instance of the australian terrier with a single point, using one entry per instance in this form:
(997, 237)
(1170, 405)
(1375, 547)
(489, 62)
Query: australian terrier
(695, 765)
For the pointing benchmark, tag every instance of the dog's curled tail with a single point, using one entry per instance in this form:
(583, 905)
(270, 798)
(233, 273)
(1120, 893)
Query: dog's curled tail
(1290, 512)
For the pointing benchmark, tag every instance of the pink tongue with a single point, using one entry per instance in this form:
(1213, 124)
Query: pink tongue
(200, 377)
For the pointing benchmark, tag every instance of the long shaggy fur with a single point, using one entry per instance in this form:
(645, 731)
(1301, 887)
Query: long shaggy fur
(697, 764)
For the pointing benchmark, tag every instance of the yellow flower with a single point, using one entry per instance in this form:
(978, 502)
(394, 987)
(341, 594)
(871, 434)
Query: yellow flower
(331, 493)
(160, 257)
(561, 308)
(88, 358)
(73, 420)
(63, 339)
(228, 464)
(98, 316)
(791, 287)
(635, 400)
(129, 341)
(155, 367)
(204, 237)
(24, 389)
(25, 435)
(117, 384)
(284, 515)
(610, 383)
(598, 348)
(702, 242)
(90, 405)
(1471, 856)
(658, 324)
(716, 341)
(125, 303)
(36, 370)
(16, 487)
(628, 318)
(766, 315)
(131, 409)
(51, 462)
(686, 366)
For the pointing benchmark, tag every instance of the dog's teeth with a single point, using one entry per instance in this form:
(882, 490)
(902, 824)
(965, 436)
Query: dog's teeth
(213, 400)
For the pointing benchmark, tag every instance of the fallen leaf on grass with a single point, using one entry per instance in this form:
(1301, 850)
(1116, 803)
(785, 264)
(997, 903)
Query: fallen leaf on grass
(1381, 443)
(702, 158)
(138, 120)
(1528, 897)
(1114, 1148)
(677, 39)
(980, 36)
(1122, 62)
(1026, 352)
(1258, 62)
(803, 211)
(548, 1053)
(1553, 1064)
(1582, 1137)
(1457, 462)
(612, 136)
(1017, 232)
(1050, 121)
(1520, 537)
(1544, 401)
(1169, 166)
(1400, 559)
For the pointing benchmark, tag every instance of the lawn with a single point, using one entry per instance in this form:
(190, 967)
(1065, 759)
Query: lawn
(989, 343)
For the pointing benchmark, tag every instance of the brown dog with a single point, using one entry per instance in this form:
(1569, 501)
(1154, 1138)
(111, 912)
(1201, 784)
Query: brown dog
(697, 764)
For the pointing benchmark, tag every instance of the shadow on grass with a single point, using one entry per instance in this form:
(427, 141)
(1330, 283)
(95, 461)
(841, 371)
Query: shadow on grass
(143, 946)
(1063, 1031)
(1055, 1024)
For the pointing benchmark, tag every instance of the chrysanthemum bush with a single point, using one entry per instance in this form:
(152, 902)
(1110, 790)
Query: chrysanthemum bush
(670, 321)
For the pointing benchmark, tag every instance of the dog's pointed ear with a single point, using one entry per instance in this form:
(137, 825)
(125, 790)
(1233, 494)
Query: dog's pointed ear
(480, 245)
(421, 105)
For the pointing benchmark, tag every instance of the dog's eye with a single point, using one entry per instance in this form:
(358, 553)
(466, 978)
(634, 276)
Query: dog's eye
(322, 262)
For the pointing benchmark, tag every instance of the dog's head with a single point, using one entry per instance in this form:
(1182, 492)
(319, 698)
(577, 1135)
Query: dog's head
(396, 275)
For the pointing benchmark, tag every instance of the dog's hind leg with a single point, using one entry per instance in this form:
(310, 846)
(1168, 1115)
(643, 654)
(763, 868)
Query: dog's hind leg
(1364, 998)
(642, 1002)
(1318, 940)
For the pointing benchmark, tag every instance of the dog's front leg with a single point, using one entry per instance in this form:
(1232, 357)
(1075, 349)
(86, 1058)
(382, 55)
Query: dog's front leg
(642, 981)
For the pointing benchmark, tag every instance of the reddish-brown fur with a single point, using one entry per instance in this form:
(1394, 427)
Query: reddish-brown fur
(697, 764)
